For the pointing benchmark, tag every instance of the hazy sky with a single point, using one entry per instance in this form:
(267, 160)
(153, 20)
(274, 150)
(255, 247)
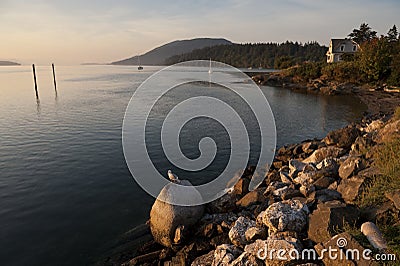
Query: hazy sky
(76, 31)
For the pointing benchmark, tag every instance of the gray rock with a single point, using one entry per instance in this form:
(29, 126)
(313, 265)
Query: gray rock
(237, 234)
(285, 178)
(165, 218)
(343, 137)
(226, 203)
(325, 195)
(328, 165)
(273, 186)
(267, 249)
(251, 198)
(289, 215)
(330, 217)
(307, 190)
(306, 178)
(374, 126)
(296, 166)
(361, 145)
(323, 182)
(241, 187)
(254, 233)
(351, 188)
(309, 147)
(351, 166)
(324, 152)
(204, 260)
(280, 191)
(225, 254)
(224, 219)
(247, 259)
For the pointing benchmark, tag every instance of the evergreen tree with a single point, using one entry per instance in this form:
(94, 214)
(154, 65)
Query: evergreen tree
(392, 34)
(363, 34)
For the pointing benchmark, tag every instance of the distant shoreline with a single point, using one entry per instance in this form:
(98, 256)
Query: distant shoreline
(9, 63)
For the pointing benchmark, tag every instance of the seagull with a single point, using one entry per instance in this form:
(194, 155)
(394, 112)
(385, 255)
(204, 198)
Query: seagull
(174, 178)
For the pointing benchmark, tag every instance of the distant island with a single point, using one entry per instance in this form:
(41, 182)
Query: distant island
(8, 63)
(159, 55)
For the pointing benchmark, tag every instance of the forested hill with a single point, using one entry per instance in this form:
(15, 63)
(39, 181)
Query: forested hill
(266, 55)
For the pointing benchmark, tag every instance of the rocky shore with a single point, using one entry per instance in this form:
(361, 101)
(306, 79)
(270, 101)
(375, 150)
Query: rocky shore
(379, 99)
(308, 201)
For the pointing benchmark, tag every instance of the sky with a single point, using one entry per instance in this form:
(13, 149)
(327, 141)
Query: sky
(80, 31)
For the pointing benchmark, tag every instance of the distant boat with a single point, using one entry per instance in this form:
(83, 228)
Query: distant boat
(139, 66)
(209, 69)
(250, 68)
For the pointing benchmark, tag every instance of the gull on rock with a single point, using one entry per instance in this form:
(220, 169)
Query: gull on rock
(174, 178)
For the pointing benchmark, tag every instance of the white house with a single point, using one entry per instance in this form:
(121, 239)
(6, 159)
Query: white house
(338, 47)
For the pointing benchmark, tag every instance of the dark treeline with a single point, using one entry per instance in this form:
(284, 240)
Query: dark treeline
(265, 55)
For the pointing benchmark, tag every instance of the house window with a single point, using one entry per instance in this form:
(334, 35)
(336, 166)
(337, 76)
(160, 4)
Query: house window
(342, 48)
(354, 48)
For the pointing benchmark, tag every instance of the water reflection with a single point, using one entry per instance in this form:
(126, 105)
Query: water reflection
(38, 108)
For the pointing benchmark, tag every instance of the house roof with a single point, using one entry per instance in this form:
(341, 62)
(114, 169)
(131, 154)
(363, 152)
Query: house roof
(337, 42)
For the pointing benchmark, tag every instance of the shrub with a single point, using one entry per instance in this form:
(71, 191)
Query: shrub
(306, 71)
(343, 72)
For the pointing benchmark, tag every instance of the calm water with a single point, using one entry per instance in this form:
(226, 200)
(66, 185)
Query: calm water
(65, 191)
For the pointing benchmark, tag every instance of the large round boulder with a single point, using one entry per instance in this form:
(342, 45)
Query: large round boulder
(167, 221)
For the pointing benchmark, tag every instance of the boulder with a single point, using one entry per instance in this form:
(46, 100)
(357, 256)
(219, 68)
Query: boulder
(206, 259)
(224, 254)
(247, 259)
(343, 137)
(289, 215)
(325, 195)
(361, 145)
(328, 218)
(267, 250)
(389, 132)
(238, 230)
(324, 152)
(351, 166)
(226, 220)
(306, 178)
(348, 252)
(274, 186)
(251, 198)
(394, 196)
(309, 147)
(226, 203)
(166, 218)
(307, 190)
(285, 177)
(296, 166)
(323, 182)
(351, 188)
(241, 187)
(374, 126)
(290, 193)
(254, 233)
(328, 166)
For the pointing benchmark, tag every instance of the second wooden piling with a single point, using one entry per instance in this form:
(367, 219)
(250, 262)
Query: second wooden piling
(54, 78)
(34, 80)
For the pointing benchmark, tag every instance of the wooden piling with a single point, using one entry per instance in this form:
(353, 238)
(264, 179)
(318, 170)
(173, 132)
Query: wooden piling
(34, 80)
(54, 78)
